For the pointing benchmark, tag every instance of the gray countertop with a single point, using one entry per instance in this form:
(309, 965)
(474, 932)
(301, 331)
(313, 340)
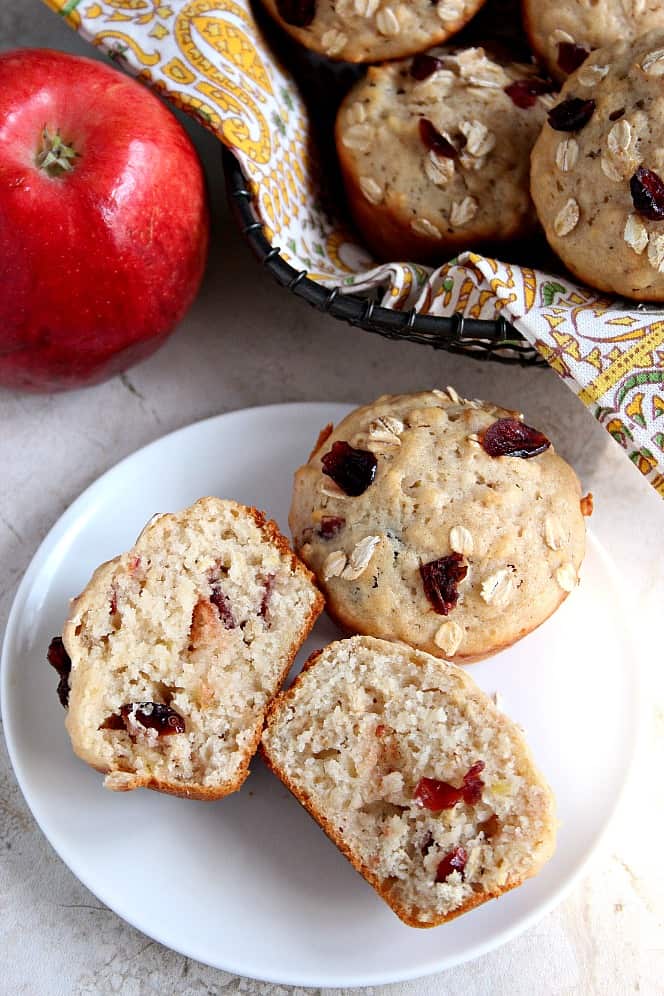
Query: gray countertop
(247, 342)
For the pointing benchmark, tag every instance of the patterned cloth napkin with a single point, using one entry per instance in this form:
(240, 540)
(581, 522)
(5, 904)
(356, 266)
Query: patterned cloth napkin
(211, 58)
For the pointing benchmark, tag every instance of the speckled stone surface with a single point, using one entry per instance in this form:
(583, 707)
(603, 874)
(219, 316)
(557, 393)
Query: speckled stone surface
(247, 342)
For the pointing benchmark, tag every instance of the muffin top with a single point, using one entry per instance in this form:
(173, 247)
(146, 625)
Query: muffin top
(563, 32)
(371, 30)
(440, 143)
(445, 523)
(598, 170)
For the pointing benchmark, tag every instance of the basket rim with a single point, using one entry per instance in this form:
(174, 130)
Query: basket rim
(481, 338)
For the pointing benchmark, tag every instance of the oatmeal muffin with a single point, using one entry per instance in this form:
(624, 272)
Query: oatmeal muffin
(562, 34)
(445, 523)
(371, 30)
(170, 656)
(412, 771)
(434, 152)
(597, 174)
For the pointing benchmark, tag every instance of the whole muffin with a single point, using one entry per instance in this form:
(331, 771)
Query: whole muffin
(598, 168)
(434, 152)
(371, 30)
(563, 33)
(444, 523)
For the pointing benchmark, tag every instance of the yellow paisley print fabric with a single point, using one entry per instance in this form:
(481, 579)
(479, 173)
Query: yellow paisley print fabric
(210, 58)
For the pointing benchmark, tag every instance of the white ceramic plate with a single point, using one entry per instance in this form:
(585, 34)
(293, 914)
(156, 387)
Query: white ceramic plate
(250, 884)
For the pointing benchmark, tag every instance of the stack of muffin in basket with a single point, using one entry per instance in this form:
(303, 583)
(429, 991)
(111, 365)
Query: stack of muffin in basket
(434, 529)
(447, 148)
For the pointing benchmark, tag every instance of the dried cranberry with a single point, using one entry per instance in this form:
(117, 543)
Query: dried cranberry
(424, 65)
(490, 827)
(114, 603)
(454, 861)
(647, 191)
(524, 93)
(572, 114)
(330, 525)
(434, 141)
(509, 437)
(58, 658)
(353, 470)
(300, 13)
(441, 578)
(570, 56)
(113, 722)
(154, 716)
(267, 592)
(473, 784)
(222, 603)
(435, 795)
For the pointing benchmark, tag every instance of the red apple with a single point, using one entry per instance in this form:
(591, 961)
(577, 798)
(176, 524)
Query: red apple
(103, 221)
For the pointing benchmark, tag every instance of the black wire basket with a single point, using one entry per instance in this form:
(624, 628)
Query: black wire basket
(482, 339)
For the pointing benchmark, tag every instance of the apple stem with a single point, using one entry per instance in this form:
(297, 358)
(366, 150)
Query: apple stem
(55, 156)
